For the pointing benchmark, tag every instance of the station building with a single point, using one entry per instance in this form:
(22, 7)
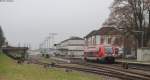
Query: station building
(111, 36)
(72, 47)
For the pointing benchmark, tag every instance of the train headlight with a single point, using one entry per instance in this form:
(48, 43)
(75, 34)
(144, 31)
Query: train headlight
(113, 54)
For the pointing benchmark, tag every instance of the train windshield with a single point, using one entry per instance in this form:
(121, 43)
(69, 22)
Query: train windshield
(108, 50)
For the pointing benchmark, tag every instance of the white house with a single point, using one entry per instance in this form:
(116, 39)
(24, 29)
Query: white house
(72, 47)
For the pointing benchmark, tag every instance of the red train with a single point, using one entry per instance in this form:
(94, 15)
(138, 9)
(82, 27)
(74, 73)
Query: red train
(101, 53)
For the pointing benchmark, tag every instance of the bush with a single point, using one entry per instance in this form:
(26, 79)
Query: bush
(47, 56)
(42, 55)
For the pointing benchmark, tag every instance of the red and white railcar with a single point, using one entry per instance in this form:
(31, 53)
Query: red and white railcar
(101, 53)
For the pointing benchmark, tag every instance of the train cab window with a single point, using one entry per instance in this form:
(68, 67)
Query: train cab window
(109, 50)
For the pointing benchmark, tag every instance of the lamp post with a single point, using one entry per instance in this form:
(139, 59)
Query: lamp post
(124, 64)
(52, 35)
(122, 30)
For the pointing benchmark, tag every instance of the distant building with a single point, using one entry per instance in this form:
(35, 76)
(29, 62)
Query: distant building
(49, 51)
(72, 47)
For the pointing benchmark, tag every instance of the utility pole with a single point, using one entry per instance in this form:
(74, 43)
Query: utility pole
(149, 17)
(52, 36)
(19, 44)
(45, 44)
(48, 42)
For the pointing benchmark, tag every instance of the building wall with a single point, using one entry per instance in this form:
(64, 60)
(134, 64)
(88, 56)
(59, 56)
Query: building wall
(103, 39)
(76, 53)
(64, 44)
(98, 39)
(76, 42)
(71, 48)
(75, 47)
(143, 54)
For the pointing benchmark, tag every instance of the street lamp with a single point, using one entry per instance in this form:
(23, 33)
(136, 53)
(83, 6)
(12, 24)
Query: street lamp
(122, 30)
(124, 64)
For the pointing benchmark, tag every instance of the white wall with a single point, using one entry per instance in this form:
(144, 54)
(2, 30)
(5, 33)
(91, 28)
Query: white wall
(97, 39)
(143, 54)
(76, 53)
(74, 47)
(76, 42)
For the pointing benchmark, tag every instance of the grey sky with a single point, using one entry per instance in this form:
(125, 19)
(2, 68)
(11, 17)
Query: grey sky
(30, 21)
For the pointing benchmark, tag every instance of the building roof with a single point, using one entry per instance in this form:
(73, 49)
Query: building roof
(15, 48)
(72, 38)
(94, 32)
(104, 31)
(109, 31)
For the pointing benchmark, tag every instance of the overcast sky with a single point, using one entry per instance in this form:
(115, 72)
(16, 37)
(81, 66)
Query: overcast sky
(30, 21)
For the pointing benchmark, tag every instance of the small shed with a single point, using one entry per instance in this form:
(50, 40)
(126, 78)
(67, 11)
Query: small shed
(16, 52)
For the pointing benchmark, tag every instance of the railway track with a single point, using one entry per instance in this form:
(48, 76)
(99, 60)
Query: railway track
(102, 70)
(120, 70)
(117, 67)
(123, 76)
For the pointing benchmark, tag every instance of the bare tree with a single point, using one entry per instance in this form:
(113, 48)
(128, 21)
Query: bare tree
(132, 15)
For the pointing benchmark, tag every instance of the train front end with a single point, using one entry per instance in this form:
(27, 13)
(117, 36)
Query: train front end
(107, 54)
(104, 54)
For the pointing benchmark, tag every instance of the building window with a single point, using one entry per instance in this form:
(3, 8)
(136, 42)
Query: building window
(94, 40)
(102, 40)
(97, 39)
(109, 40)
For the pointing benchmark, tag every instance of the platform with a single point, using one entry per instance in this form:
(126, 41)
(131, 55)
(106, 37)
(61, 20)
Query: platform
(133, 61)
